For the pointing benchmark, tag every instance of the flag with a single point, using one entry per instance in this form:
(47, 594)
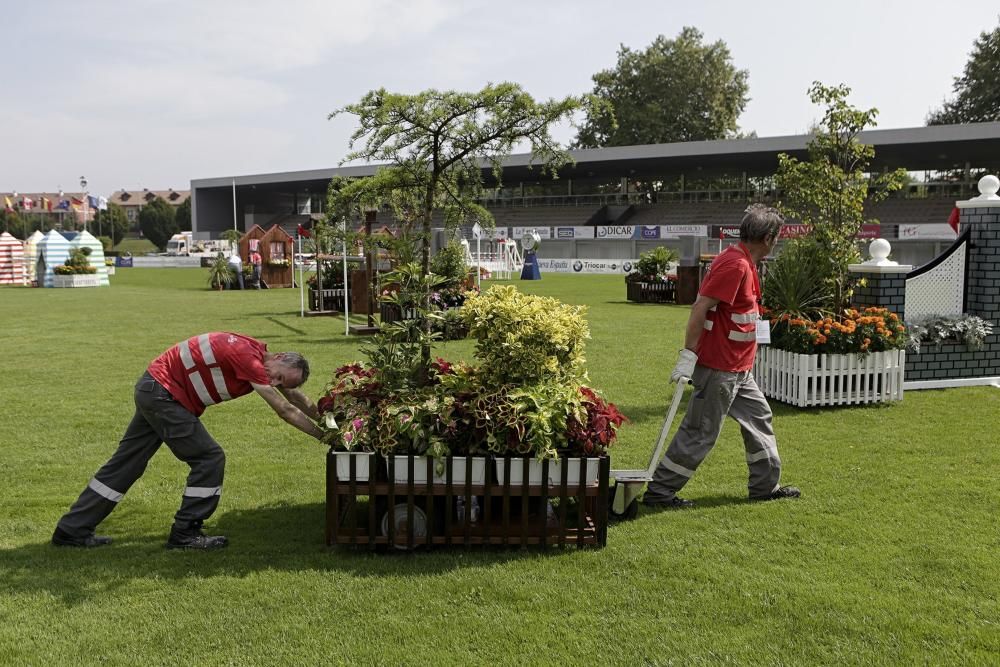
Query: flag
(102, 203)
(92, 201)
(63, 205)
(8, 202)
(27, 203)
(953, 219)
(76, 202)
(302, 231)
(45, 204)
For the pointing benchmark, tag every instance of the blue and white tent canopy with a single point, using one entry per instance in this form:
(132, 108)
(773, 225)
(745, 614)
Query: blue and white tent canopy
(53, 250)
(87, 240)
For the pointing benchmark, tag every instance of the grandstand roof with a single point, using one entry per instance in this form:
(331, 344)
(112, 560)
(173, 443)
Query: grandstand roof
(937, 147)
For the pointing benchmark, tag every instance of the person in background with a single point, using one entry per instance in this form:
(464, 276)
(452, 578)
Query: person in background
(236, 266)
(169, 398)
(719, 346)
(255, 261)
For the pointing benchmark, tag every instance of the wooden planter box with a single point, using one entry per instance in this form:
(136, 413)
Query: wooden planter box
(390, 312)
(332, 300)
(76, 280)
(643, 292)
(432, 511)
(808, 380)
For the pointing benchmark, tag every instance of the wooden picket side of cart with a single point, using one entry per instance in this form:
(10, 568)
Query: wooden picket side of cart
(505, 516)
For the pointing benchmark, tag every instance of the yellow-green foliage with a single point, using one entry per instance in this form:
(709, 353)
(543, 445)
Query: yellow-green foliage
(523, 338)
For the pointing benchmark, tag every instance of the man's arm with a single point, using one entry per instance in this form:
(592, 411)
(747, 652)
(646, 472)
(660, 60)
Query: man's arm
(287, 411)
(696, 321)
(301, 401)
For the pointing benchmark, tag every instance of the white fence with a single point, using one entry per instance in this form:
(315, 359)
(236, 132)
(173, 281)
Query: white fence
(829, 379)
(938, 287)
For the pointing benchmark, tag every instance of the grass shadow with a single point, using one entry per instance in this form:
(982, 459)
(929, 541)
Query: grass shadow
(288, 538)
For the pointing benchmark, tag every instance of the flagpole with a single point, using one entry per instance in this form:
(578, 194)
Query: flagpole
(302, 287)
(234, 205)
(347, 306)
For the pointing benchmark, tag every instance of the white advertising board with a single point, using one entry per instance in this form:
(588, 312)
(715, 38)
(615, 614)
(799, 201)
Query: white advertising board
(583, 265)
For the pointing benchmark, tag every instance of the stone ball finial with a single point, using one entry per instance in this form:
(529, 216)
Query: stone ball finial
(879, 250)
(988, 186)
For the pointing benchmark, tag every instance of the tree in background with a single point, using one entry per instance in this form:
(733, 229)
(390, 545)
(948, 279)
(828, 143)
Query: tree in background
(675, 90)
(434, 145)
(829, 191)
(977, 91)
(156, 220)
(113, 221)
(12, 223)
(182, 215)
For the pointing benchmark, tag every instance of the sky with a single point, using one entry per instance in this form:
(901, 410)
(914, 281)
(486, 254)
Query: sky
(152, 94)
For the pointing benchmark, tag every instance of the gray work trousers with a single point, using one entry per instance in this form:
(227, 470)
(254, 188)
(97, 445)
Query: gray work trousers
(158, 419)
(717, 394)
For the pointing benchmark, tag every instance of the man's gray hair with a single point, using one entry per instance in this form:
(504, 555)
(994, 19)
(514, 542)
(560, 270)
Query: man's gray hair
(760, 222)
(295, 360)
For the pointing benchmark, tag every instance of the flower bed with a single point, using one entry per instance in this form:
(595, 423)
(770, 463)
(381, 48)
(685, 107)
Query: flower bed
(856, 358)
(526, 399)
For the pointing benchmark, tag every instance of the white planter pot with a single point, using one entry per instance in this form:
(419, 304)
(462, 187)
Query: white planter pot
(362, 465)
(808, 380)
(401, 470)
(76, 280)
(555, 471)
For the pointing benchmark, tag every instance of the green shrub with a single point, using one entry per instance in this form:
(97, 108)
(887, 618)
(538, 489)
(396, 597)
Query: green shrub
(523, 338)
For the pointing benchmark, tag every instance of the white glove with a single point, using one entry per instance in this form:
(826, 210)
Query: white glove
(685, 365)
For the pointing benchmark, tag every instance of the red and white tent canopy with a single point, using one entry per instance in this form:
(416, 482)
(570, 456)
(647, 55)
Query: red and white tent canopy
(11, 260)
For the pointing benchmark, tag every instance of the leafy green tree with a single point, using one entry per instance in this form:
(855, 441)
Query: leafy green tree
(156, 220)
(434, 145)
(977, 91)
(12, 223)
(182, 214)
(112, 222)
(829, 190)
(675, 90)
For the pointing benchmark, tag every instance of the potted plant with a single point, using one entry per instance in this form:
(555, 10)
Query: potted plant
(219, 274)
(651, 281)
(77, 271)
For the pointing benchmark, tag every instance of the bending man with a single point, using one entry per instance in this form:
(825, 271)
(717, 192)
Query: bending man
(169, 398)
(719, 346)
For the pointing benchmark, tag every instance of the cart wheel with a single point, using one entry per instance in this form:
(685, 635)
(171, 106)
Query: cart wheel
(399, 515)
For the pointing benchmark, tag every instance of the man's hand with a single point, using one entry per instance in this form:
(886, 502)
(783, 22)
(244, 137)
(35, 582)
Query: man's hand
(685, 365)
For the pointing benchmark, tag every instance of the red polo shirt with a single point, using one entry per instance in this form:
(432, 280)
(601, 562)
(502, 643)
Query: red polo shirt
(211, 368)
(728, 342)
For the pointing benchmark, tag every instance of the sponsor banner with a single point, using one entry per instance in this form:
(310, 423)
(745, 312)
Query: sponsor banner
(677, 231)
(582, 265)
(870, 232)
(500, 233)
(790, 231)
(570, 233)
(933, 231)
(616, 231)
(725, 232)
(543, 232)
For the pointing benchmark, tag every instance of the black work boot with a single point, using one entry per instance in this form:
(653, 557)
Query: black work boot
(779, 493)
(61, 538)
(191, 537)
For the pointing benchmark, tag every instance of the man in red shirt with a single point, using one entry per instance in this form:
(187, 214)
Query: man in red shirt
(169, 398)
(720, 342)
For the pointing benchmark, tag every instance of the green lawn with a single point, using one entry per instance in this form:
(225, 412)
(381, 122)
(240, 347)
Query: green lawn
(890, 556)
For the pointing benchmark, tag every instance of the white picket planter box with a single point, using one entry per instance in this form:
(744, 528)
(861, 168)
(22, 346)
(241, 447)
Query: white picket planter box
(362, 465)
(555, 471)
(76, 280)
(808, 380)
(401, 472)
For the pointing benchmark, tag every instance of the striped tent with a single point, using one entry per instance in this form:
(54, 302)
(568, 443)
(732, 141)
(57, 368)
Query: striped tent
(31, 254)
(86, 239)
(11, 260)
(53, 250)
